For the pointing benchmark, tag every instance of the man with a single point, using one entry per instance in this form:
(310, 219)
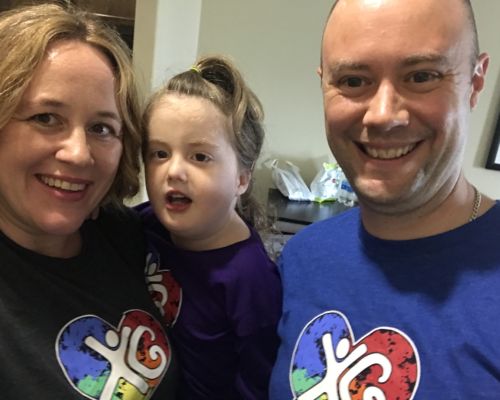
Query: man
(399, 298)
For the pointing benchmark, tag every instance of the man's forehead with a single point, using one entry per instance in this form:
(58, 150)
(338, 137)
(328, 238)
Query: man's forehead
(394, 17)
(372, 5)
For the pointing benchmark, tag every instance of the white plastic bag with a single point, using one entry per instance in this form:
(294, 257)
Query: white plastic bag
(326, 183)
(289, 182)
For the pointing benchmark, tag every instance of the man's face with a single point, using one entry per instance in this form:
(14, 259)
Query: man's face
(398, 86)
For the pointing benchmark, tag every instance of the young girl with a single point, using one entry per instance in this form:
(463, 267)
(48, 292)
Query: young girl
(204, 134)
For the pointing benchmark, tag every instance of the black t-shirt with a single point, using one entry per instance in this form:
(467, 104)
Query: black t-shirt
(83, 327)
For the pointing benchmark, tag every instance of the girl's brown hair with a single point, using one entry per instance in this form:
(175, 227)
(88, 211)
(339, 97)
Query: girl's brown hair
(216, 79)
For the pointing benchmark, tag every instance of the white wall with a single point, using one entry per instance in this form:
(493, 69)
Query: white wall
(165, 43)
(276, 45)
(165, 39)
(485, 115)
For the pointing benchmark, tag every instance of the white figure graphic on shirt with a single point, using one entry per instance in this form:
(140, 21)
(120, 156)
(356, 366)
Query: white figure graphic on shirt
(116, 354)
(154, 281)
(357, 362)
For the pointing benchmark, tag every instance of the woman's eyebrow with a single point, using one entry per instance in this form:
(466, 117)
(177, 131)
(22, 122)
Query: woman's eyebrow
(53, 103)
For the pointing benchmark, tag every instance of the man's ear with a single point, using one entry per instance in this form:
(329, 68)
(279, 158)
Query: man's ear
(478, 78)
(243, 181)
(319, 71)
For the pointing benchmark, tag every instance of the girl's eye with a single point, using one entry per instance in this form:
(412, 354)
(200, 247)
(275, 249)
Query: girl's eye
(44, 119)
(200, 157)
(161, 154)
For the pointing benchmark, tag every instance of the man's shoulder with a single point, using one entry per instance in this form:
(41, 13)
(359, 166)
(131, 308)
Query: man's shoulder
(346, 221)
(493, 214)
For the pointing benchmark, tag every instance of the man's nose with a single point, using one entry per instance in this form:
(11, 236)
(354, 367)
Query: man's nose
(386, 109)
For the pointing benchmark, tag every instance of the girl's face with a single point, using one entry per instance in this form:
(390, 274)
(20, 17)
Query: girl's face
(192, 174)
(60, 150)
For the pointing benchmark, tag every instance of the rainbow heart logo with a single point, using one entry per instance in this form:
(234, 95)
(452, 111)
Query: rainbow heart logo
(105, 362)
(165, 290)
(328, 364)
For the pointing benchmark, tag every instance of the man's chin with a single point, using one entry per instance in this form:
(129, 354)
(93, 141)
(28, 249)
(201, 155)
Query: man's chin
(381, 197)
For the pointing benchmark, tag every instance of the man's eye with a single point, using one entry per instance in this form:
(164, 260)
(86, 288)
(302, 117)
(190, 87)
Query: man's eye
(200, 157)
(352, 81)
(423, 77)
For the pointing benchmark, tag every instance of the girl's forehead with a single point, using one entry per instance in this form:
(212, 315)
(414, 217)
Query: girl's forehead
(189, 118)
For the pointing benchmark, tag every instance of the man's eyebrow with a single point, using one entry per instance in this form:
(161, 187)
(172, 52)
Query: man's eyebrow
(341, 66)
(425, 58)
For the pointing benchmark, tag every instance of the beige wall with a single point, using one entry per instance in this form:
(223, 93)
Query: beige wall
(165, 43)
(276, 45)
(485, 115)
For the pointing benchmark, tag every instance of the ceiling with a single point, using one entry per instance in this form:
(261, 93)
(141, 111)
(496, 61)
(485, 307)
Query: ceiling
(119, 13)
(123, 9)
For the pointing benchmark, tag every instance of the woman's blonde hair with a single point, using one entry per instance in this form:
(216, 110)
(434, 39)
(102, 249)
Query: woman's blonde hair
(25, 35)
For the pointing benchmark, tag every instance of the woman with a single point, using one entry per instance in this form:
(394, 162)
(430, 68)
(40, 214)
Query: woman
(77, 320)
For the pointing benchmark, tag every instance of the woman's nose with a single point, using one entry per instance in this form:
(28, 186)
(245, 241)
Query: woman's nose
(75, 148)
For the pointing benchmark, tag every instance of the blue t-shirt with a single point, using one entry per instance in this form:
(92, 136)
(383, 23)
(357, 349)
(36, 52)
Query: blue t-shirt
(412, 319)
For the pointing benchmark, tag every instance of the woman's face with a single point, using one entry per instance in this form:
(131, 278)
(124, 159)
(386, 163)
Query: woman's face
(60, 150)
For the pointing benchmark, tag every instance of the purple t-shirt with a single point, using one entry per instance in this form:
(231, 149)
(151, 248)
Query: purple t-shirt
(224, 319)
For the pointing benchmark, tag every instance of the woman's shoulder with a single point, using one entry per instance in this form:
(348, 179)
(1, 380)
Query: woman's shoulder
(122, 227)
(116, 218)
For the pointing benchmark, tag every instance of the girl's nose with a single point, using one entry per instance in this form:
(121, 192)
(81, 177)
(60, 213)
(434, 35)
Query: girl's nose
(177, 169)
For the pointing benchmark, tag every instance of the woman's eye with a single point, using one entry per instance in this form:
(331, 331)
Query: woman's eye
(103, 130)
(200, 157)
(45, 119)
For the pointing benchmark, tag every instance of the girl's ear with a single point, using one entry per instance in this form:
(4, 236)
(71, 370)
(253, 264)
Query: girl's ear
(243, 181)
